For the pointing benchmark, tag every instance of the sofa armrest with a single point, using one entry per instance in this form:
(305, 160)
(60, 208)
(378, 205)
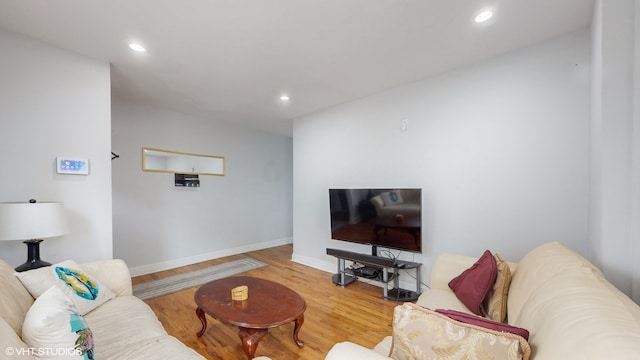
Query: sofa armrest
(113, 273)
(350, 351)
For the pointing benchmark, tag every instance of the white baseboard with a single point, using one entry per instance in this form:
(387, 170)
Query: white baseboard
(314, 263)
(174, 263)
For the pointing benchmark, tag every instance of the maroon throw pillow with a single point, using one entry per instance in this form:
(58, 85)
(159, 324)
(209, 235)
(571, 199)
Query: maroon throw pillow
(473, 285)
(484, 323)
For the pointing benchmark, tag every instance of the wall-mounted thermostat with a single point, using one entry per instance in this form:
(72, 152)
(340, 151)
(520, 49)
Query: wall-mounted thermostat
(68, 165)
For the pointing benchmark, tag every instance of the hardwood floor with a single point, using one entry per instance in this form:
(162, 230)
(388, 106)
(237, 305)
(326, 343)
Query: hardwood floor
(356, 313)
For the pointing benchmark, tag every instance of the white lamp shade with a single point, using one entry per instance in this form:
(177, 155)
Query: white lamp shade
(26, 221)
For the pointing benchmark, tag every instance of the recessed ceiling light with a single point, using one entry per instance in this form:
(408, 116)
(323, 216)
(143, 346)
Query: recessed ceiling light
(484, 16)
(284, 98)
(137, 47)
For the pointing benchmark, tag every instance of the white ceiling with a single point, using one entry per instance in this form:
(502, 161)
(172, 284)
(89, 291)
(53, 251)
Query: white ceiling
(230, 60)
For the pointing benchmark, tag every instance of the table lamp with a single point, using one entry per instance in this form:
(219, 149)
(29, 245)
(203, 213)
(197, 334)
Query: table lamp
(32, 221)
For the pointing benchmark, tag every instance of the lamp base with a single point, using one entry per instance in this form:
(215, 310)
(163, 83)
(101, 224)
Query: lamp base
(33, 257)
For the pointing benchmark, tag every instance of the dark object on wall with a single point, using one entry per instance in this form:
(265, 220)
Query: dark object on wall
(114, 155)
(189, 180)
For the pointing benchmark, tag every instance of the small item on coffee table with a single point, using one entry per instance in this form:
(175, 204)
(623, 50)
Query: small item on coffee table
(240, 293)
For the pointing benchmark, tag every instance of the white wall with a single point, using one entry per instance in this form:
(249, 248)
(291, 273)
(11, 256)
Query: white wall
(56, 103)
(615, 139)
(159, 226)
(500, 150)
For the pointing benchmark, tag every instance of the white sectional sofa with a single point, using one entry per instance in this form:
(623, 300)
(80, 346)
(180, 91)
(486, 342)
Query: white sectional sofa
(564, 301)
(123, 327)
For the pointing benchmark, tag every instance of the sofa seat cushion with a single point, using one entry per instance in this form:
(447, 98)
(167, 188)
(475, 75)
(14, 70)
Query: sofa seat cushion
(576, 316)
(143, 337)
(441, 299)
(107, 322)
(349, 351)
(384, 346)
(159, 348)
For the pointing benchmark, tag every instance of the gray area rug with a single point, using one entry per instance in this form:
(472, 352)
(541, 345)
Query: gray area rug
(152, 289)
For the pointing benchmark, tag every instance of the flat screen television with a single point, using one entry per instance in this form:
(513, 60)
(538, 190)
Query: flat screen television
(390, 218)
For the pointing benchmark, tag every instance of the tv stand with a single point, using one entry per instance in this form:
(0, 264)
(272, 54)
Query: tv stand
(344, 277)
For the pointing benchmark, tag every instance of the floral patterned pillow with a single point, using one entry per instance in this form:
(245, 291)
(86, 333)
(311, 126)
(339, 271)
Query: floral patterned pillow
(53, 329)
(420, 333)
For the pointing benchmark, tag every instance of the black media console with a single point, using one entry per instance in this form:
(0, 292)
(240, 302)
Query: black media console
(345, 276)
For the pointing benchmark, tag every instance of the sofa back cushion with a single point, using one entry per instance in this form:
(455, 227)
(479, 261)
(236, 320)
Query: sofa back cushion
(446, 267)
(15, 300)
(541, 264)
(578, 316)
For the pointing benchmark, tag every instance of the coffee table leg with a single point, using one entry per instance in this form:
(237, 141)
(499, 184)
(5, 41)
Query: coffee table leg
(203, 320)
(250, 339)
(296, 329)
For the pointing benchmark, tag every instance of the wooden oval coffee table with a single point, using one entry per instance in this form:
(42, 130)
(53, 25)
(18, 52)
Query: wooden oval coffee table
(269, 305)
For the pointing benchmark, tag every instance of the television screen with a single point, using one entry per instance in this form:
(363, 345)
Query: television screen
(380, 217)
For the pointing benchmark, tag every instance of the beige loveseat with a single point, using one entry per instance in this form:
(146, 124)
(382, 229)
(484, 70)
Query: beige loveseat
(569, 308)
(407, 204)
(123, 327)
